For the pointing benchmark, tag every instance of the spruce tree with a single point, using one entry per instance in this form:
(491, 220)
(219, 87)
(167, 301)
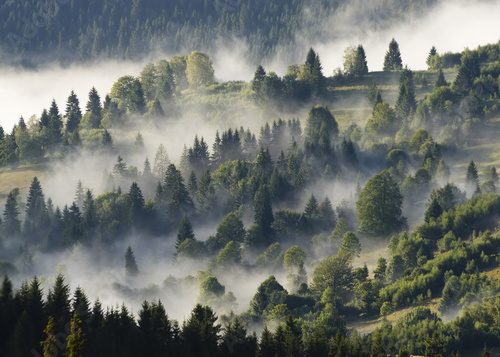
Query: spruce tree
(89, 211)
(55, 125)
(392, 60)
(185, 231)
(73, 113)
(440, 81)
(263, 211)
(161, 162)
(11, 222)
(107, 140)
(94, 108)
(58, 304)
(36, 210)
(131, 268)
(431, 58)
(136, 203)
(406, 103)
(76, 339)
(472, 177)
(50, 345)
(79, 194)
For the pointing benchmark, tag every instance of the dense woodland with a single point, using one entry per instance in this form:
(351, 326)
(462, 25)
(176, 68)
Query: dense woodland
(69, 30)
(440, 226)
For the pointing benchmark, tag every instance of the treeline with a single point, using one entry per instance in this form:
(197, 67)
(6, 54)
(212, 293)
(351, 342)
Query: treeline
(65, 324)
(73, 31)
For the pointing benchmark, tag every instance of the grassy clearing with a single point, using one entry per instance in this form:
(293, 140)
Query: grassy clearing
(368, 325)
(19, 177)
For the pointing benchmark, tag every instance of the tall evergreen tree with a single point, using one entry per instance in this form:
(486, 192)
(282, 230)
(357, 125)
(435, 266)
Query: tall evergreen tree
(76, 339)
(58, 304)
(440, 81)
(392, 60)
(73, 113)
(136, 203)
(36, 210)
(131, 268)
(185, 231)
(406, 103)
(11, 222)
(94, 108)
(50, 345)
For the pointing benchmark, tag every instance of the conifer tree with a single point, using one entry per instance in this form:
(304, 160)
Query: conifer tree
(58, 304)
(131, 268)
(79, 194)
(263, 211)
(11, 222)
(431, 62)
(107, 140)
(55, 125)
(472, 177)
(136, 203)
(392, 60)
(311, 210)
(440, 81)
(185, 231)
(406, 103)
(76, 339)
(73, 113)
(50, 345)
(89, 211)
(161, 162)
(36, 210)
(94, 108)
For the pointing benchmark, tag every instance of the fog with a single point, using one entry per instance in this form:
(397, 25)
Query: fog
(450, 26)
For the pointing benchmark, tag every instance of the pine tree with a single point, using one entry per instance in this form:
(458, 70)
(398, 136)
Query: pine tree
(472, 177)
(79, 194)
(81, 308)
(263, 211)
(131, 268)
(185, 231)
(430, 58)
(161, 162)
(58, 304)
(258, 82)
(139, 141)
(55, 125)
(146, 171)
(11, 222)
(120, 168)
(36, 210)
(107, 140)
(50, 345)
(94, 108)
(89, 211)
(392, 60)
(76, 339)
(136, 203)
(440, 81)
(73, 113)
(406, 103)
(311, 210)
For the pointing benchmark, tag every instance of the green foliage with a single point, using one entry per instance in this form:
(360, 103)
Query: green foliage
(392, 60)
(199, 71)
(334, 272)
(379, 205)
(128, 93)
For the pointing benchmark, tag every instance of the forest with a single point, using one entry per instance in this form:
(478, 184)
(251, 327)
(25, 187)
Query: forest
(69, 30)
(306, 214)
